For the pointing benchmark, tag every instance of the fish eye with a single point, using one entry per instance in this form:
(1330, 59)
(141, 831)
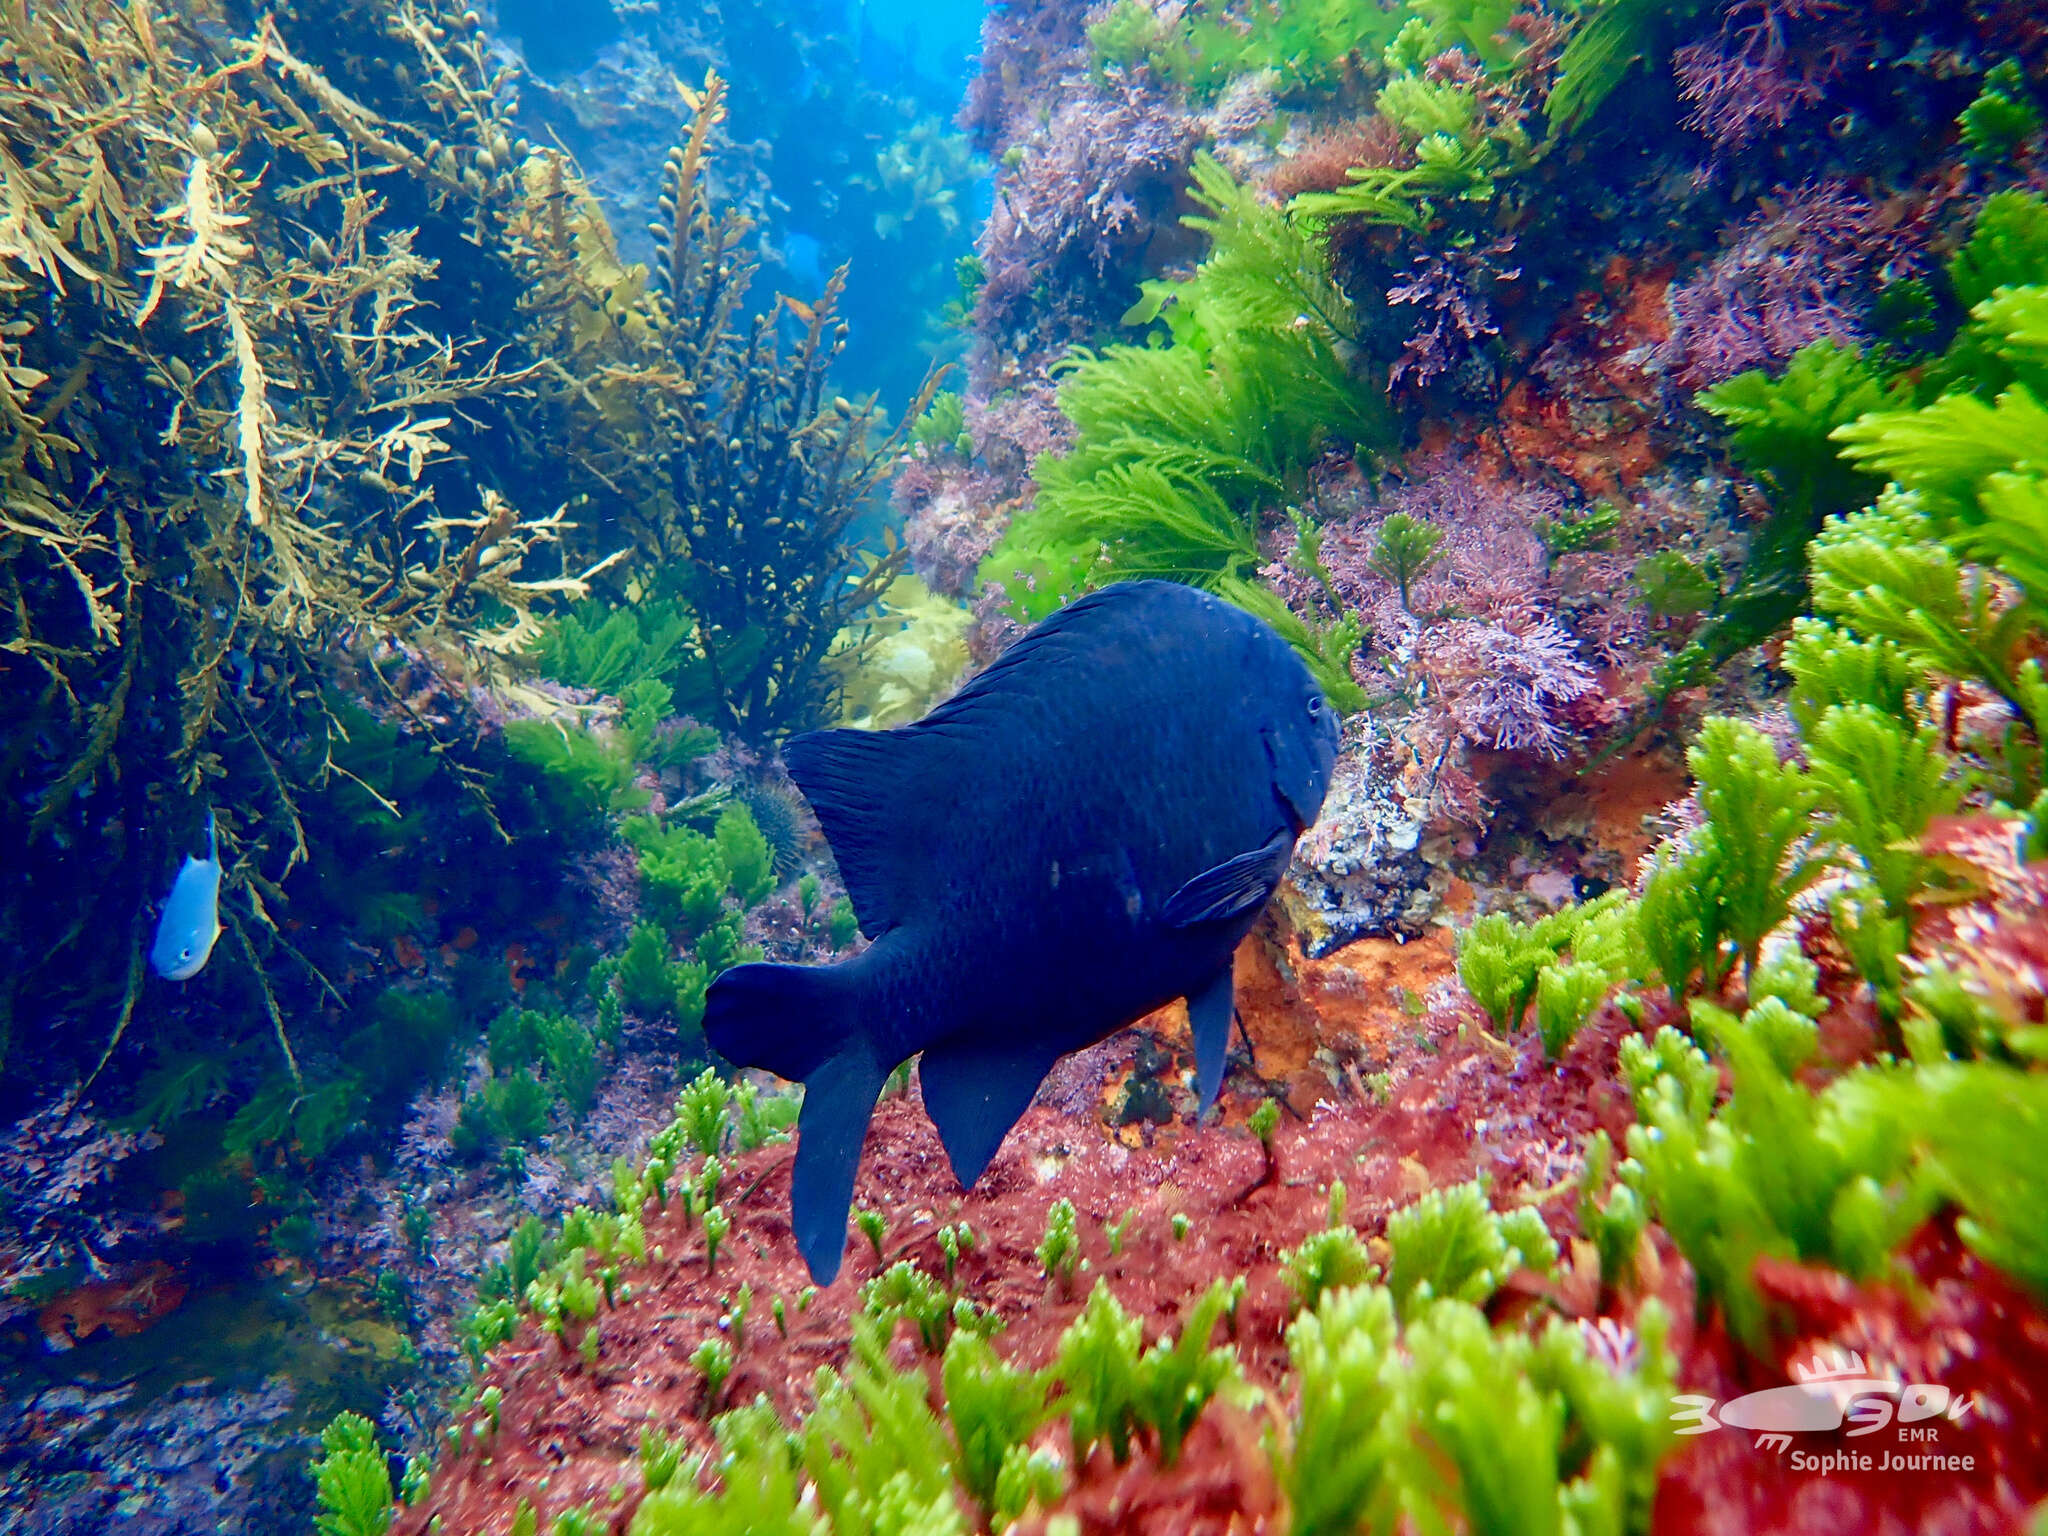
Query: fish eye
(1315, 705)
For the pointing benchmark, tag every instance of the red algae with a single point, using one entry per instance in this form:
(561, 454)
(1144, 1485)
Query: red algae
(1455, 1110)
(1193, 1204)
(1950, 1323)
(1590, 403)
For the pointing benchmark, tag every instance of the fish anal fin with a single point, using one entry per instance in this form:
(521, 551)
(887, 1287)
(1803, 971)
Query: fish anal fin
(1210, 1008)
(1233, 888)
(839, 1099)
(869, 790)
(974, 1092)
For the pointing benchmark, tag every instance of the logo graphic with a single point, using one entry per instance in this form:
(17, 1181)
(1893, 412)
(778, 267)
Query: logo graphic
(1830, 1390)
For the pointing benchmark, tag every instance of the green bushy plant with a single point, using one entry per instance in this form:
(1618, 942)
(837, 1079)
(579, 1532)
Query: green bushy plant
(2003, 115)
(1445, 1422)
(586, 773)
(1111, 1389)
(1506, 965)
(903, 1291)
(1779, 431)
(1306, 47)
(1326, 1261)
(352, 1481)
(1406, 549)
(1452, 1243)
(683, 875)
(1608, 40)
(608, 649)
(944, 423)
(1060, 1250)
(1177, 447)
(652, 981)
(750, 866)
(994, 1409)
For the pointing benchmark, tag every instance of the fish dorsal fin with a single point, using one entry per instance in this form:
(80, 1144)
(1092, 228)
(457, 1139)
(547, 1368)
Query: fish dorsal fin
(880, 795)
(1062, 636)
(1234, 887)
(867, 788)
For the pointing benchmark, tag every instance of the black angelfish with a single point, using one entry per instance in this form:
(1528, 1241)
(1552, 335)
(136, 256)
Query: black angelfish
(1082, 834)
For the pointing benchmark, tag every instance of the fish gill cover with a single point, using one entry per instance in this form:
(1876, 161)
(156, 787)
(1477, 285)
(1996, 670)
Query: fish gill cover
(457, 455)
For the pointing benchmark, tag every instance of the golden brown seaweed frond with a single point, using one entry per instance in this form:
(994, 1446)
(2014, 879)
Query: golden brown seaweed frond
(255, 441)
(233, 401)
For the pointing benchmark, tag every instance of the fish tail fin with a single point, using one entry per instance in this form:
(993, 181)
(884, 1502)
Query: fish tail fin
(803, 1022)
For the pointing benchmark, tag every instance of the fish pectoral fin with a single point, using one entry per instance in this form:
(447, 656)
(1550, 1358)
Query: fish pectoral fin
(1210, 1007)
(974, 1092)
(839, 1099)
(1232, 888)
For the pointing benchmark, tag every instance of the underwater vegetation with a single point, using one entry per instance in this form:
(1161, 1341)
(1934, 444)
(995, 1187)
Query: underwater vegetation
(329, 581)
(294, 312)
(1176, 447)
(1629, 412)
(1747, 1064)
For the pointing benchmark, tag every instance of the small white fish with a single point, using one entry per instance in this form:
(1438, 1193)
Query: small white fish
(190, 923)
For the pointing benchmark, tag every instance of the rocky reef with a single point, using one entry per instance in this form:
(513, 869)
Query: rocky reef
(438, 461)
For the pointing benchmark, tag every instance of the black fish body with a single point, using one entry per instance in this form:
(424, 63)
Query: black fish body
(1081, 835)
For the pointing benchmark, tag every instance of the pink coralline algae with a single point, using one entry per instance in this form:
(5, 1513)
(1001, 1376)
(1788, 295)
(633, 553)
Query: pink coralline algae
(1772, 58)
(1490, 562)
(952, 517)
(954, 510)
(1496, 667)
(1506, 687)
(1786, 279)
(1012, 428)
(1449, 291)
(57, 1169)
(1080, 205)
(1025, 44)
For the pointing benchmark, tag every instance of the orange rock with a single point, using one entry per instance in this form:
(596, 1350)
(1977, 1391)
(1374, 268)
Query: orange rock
(1591, 419)
(465, 938)
(122, 1307)
(1293, 1008)
(1625, 793)
(407, 953)
(516, 964)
